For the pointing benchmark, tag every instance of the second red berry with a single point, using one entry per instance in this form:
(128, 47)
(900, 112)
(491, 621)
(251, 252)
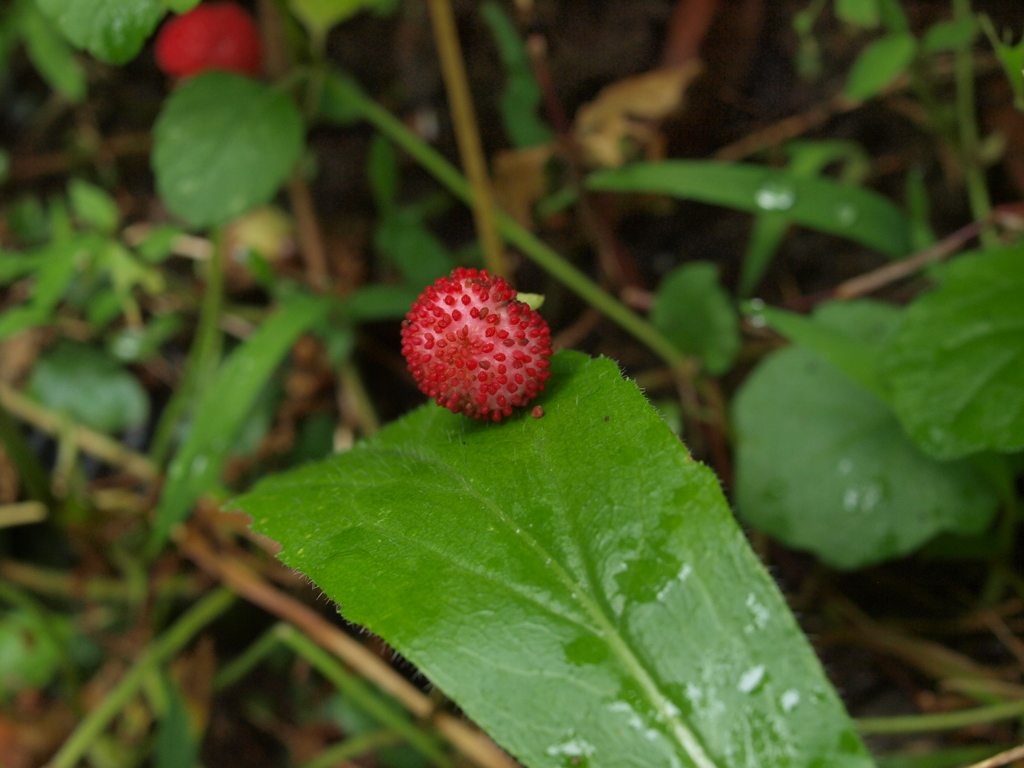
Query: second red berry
(217, 35)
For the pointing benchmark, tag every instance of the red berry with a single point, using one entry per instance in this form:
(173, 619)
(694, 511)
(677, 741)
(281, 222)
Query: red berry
(474, 348)
(219, 35)
(538, 412)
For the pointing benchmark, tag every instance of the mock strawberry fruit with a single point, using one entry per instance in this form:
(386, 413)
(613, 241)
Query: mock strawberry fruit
(217, 35)
(474, 348)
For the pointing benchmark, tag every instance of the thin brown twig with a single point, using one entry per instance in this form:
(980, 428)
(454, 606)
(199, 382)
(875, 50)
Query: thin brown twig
(473, 744)
(1004, 634)
(307, 231)
(453, 69)
(1008, 215)
(27, 167)
(1003, 758)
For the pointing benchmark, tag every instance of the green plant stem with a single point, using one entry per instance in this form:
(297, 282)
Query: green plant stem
(201, 357)
(944, 721)
(354, 747)
(169, 643)
(30, 469)
(518, 236)
(363, 696)
(239, 667)
(974, 173)
(460, 100)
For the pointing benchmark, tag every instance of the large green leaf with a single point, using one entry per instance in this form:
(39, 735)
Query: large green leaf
(224, 144)
(223, 409)
(956, 365)
(823, 465)
(576, 582)
(828, 206)
(111, 30)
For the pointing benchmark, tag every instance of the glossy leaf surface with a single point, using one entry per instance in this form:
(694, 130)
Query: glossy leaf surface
(581, 566)
(956, 365)
(224, 144)
(858, 214)
(823, 465)
(111, 30)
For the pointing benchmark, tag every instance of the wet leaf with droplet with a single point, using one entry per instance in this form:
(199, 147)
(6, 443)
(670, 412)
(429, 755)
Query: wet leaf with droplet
(822, 464)
(576, 583)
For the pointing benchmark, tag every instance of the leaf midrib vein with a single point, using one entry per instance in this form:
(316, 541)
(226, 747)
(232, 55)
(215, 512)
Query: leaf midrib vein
(685, 737)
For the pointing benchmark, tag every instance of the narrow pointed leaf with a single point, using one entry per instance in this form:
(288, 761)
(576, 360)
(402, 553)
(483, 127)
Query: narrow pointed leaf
(827, 206)
(224, 407)
(575, 582)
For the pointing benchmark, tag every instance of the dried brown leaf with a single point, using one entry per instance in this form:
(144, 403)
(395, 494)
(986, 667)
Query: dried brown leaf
(629, 111)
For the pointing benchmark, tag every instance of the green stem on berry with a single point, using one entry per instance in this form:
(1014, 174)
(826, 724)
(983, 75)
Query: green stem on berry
(517, 235)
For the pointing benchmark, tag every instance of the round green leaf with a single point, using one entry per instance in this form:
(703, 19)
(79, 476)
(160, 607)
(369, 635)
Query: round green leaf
(30, 651)
(575, 582)
(823, 465)
(90, 387)
(111, 30)
(956, 365)
(693, 310)
(224, 144)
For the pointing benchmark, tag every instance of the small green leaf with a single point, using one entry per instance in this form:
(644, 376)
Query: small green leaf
(158, 243)
(90, 387)
(1010, 55)
(582, 565)
(823, 465)
(30, 650)
(879, 64)
(950, 35)
(224, 407)
(858, 214)
(319, 16)
(111, 30)
(50, 54)
(696, 314)
(956, 365)
(521, 99)
(58, 265)
(403, 236)
(224, 144)
(859, 13)
(93, 206)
